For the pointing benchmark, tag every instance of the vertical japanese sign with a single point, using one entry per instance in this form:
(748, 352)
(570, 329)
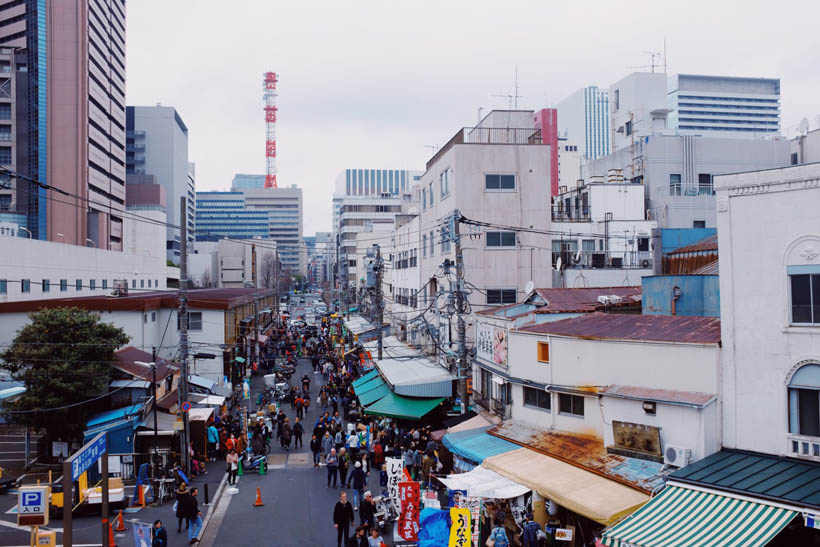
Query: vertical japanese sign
(460, 532)
(474, 505)
(395, 467)
(410, 496)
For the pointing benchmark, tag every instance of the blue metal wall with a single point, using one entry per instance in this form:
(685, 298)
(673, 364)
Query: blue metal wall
(700, 295)
(675, 238)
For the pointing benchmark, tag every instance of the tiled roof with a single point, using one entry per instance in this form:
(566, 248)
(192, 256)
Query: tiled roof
(128, 356)
(659, 328)
(208, 299)
(694, 398)
(582, 451)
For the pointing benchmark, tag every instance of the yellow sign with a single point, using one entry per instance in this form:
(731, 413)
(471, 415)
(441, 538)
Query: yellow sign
(460, 530)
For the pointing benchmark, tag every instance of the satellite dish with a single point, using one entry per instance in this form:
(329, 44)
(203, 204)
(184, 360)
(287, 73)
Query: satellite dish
(804, 126)
(529, 287)
(558, 264)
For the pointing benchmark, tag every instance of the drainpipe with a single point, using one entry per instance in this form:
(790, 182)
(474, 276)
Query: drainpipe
(676, 292)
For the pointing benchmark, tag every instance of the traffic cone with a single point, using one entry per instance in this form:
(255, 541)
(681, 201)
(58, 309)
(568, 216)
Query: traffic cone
(239, 471)
(120, 523)
(141, 495)
(111, 541)
(258, 502)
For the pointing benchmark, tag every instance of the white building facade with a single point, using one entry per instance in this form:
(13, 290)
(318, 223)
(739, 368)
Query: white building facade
(583, 118)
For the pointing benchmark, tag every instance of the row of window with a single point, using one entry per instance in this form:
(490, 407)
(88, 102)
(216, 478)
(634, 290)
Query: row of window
(569, 405)
(705, 185)
(45, 285)
(500, 182)
(444, 240)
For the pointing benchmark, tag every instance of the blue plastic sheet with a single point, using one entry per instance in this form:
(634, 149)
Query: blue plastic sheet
(435, 528)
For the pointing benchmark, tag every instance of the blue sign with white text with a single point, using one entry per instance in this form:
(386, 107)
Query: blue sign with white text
(87, 456)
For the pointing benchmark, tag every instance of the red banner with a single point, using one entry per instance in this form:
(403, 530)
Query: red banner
(410, 497)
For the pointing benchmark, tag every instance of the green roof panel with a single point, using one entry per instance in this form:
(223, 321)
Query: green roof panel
(403, 408)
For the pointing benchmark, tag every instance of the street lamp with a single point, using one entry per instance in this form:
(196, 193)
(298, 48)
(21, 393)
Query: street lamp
(26, 230)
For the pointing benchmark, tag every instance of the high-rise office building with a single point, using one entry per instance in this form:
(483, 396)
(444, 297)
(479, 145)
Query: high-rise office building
(70, 69)
(246, 182)
(724, 106)
(583, 118)
(157, 142)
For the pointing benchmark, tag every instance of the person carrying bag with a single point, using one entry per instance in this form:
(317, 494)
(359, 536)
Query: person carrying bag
(498, 537)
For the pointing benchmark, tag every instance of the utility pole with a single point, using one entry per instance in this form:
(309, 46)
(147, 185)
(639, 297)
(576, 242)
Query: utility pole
(255, 303)
(461, 328)
(182, 390)
(379, 304)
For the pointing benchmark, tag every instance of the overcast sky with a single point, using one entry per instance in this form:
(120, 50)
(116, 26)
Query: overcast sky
(373, 83)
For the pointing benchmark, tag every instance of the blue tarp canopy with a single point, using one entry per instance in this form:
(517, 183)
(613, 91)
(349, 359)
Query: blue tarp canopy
(113, 415)
(120, 434)
(475, 445)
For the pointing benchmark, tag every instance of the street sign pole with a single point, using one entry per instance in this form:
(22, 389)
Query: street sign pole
(105, 524)
(68, 503)
(75, 466)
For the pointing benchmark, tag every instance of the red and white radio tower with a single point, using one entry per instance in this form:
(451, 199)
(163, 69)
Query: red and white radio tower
(269, 87)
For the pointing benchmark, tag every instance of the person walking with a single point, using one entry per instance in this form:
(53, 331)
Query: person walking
(213, 442)
(529, 537)
(342, 517)
(232, 465)
(327, 443)
(286, 434)
(344, 465)
(298, 429)
(194, 517)
(367, 512)
(316, 448)
(159, 537)
(181, 504)
(357, 480)
(359, 538)
(499, 534)
(338, 440)
(375, 539)
(332, 461)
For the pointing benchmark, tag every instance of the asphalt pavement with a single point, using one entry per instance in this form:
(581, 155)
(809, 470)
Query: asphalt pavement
(298, 506)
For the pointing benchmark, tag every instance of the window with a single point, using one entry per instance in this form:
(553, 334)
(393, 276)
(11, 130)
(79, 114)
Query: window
(63, 285)
(145, 318)
(674, 184)
(5, 201)
(5, 155)
(430, 193)
(432, 243)
(617, 100)
(25, 285)
(805, 298)
(46, 285)
(486, 383)
(133, 283)
(698, 224)
(705, 184)
(156, 283)
(424, 199)
(444, 183)
(628, 128)
(445, 241)
(543, 352)
(104, 284)
(195, 320)
(153, 317)
(804, 401)
(500, 239)
(78, 284)
(424, 245)
(92, 284)
(643, 244)
(537, 398)
(499, 182)
(500, 296)
(142, 283)
(795, 158)
(570, 404)
(4, 286)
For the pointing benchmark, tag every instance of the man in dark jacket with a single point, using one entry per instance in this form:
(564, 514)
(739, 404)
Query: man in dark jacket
(359, 538)
(342, 518)
(367, 512)
(529, 538)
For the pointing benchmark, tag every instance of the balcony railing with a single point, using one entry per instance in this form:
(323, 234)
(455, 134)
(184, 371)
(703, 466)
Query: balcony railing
(500, 408)
(618, 260)
(573, 214)
(801, 446)
(490, 135)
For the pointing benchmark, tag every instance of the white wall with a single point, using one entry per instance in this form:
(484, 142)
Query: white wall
(37, 260)
(638, 94)
(767, 222)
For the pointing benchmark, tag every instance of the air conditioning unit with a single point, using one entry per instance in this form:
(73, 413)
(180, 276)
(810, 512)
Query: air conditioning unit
(677, 456)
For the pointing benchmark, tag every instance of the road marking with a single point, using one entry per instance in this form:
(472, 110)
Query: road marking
(8, 524)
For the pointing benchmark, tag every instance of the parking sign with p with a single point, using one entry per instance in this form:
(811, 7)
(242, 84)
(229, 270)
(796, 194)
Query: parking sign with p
(32, 506)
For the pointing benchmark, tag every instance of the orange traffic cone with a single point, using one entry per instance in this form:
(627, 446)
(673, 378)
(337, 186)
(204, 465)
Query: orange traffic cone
(111, 541)
(258, 502)
(120, 523)
(141, 496)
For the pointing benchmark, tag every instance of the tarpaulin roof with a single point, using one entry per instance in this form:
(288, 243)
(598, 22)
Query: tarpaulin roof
(379, 391)
(484, 483)
(113, 415)
(409, 372)
(367, 377)
(473, 423)
(200, 414)
(405, 408)
(583, 492)
(475, 445)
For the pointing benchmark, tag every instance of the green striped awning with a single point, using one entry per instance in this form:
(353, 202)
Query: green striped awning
(682, 517)
(366, 378)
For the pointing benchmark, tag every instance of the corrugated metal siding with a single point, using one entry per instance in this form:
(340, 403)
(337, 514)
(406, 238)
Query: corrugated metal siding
(433, 389)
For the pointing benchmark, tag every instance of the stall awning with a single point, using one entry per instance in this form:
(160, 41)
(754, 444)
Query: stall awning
(200, 414)
(586, 493)
(475, 445)
(403, 408)
(165, 422)
(366, 378)
(211, 400)
(484, 483)
(693, 518)
(200, 382)
(473, 423)
(372, 391)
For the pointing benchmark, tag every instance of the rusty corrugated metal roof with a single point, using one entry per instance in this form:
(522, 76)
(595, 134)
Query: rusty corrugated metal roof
(656, 328)
(126, 362)
(695, 398)
(570, 300)
(707, 244)
(712, 268)
(583, 451)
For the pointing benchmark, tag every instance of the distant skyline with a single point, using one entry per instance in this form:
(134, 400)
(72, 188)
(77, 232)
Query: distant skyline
(375, 84)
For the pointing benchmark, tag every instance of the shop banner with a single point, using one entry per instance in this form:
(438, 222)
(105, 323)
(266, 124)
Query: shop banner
(395, 474)
(454, 497)
(460, 530)
(474, 505)
(142, 534)
(410, 497)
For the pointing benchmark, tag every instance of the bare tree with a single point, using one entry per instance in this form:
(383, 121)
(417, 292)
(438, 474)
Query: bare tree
(205, 280)
(269, 270)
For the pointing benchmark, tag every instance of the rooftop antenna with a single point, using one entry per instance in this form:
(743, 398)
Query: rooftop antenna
(515, 96)
(652, 55)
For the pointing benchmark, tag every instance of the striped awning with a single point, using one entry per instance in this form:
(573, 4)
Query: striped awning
(682, 517)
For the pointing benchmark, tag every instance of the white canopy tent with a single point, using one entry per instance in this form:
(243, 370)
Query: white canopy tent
(484, 483)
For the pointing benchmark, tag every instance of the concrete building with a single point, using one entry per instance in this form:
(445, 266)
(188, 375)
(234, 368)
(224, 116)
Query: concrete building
(569, 164)
(676, 172)
(404, 280)
(770, 310)
(724, 106)
(267, 213)
(583, 118)
(247, 182)
(364, 220)
(805, 148)
(497, 174)
(10, 209)
(158, 145)
(638, 107)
